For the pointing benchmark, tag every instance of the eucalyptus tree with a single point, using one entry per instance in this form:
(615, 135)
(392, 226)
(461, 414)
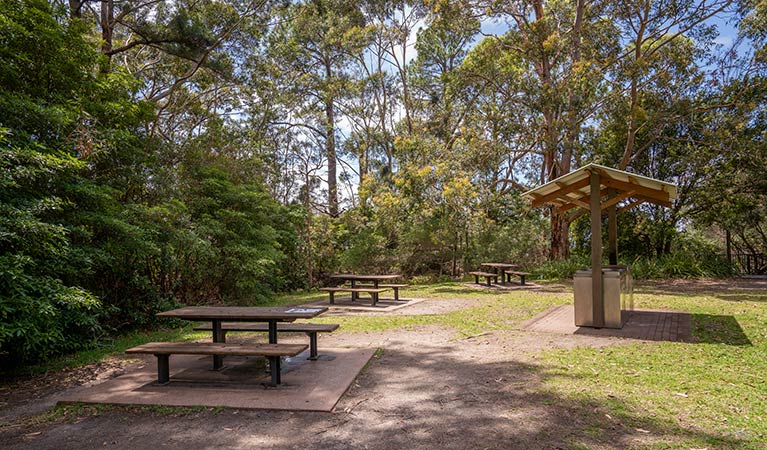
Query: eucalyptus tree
(651, 33)
(546, 86)
(310, 55)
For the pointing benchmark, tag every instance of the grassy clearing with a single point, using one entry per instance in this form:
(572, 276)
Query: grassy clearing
(714, 390)
(495, 311)
(707, 394)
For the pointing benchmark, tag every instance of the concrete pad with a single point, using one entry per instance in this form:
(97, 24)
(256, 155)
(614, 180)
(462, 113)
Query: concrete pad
(306, 385)
(510, 286)
(643, 324)
(364, 304)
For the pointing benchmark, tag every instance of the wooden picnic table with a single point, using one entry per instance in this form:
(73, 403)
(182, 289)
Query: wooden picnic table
(353, 278)
(499, 269)
(218, 314)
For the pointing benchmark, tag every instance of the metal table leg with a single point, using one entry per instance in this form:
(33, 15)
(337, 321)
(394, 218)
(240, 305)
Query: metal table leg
(272, 331)
(218, 336)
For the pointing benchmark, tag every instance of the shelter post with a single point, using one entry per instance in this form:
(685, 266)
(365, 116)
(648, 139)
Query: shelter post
(596, 250)
(612, 230)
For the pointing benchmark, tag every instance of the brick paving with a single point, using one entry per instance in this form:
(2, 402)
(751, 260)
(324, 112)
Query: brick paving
(644, 324)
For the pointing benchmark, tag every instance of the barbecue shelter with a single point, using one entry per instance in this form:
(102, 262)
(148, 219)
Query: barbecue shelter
(601, 190)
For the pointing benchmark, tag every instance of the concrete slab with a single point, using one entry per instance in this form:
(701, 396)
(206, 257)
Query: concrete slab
(510, 286)
(306, 385)
(643, 324)
(363, 304)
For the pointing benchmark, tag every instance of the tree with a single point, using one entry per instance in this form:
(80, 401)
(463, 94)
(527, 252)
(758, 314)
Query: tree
(309, 59)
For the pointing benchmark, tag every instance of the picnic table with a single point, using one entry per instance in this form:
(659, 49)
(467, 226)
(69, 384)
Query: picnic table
(375, 279)
(218, 314)
(500, 269)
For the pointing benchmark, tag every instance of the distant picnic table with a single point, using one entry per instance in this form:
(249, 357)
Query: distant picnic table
(376, 289)
(500, 269)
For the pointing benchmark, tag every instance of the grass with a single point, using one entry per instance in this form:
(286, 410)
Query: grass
(708, 394)
(495, 310)
(716, 384)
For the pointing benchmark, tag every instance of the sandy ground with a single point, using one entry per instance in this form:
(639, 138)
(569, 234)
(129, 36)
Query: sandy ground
(423, 389)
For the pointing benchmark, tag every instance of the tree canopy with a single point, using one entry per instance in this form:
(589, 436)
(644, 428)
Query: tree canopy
(216, 151)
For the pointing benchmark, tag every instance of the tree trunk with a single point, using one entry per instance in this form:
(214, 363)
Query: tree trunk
(308, 225)
(76, 8)
(560, 235)
(107, 24)
(330, 147)
(628, 150)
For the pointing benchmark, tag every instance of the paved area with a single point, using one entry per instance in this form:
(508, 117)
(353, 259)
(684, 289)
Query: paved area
(363, 304)
(510, 286)
(644, 324)
(307, 385)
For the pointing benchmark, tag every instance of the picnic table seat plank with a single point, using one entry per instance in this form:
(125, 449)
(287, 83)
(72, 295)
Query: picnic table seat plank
(163, 350)
(372, 291)
(519, 274)
(488, 276)
(311, 329)
(395, 287)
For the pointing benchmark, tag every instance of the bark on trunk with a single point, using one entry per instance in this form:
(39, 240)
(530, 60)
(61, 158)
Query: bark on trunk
(628, 150)
(560, 236)
(330, 148)
(107, 22)
(76, 8)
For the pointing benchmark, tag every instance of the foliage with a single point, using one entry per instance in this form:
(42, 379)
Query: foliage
(157, 153)
(40, 314)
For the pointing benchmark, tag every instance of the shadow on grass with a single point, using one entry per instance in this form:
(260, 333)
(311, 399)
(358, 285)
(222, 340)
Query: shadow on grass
(742, 297)
(718, 329)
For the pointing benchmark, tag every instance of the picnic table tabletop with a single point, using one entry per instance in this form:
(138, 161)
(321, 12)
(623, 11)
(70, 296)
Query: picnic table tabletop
(218, 314)
(500, 265)
(364, 277)
(244, 313)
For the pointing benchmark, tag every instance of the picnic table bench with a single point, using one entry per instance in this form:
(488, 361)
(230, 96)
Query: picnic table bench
(218, 315)
(521, 275)
(372, 291)
(311, 330)
(488, 276)
(163, 350)
(499, 269)
(395, 287)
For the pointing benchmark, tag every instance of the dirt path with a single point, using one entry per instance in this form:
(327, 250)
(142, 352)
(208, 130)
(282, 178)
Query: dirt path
(424, 389)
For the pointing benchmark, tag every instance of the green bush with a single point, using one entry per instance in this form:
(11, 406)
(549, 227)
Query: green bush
(682, 265)
(41, 317)
(560, 269)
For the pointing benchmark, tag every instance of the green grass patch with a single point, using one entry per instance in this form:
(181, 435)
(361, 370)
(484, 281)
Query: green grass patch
(712, 391)
(495, 310)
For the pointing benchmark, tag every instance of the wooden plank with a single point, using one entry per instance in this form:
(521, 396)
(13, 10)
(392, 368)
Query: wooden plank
(243, 313)
(344, 289)
(217, 348)
(386, 285)
(630, 205)
(614, 198)
(283, 327)
(667, 204)
(543, 199)
(653, 194)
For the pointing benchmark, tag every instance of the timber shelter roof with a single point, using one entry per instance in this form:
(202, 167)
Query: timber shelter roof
(573, 190)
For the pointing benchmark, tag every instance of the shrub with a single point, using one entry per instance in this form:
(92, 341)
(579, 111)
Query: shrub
(40, 317)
